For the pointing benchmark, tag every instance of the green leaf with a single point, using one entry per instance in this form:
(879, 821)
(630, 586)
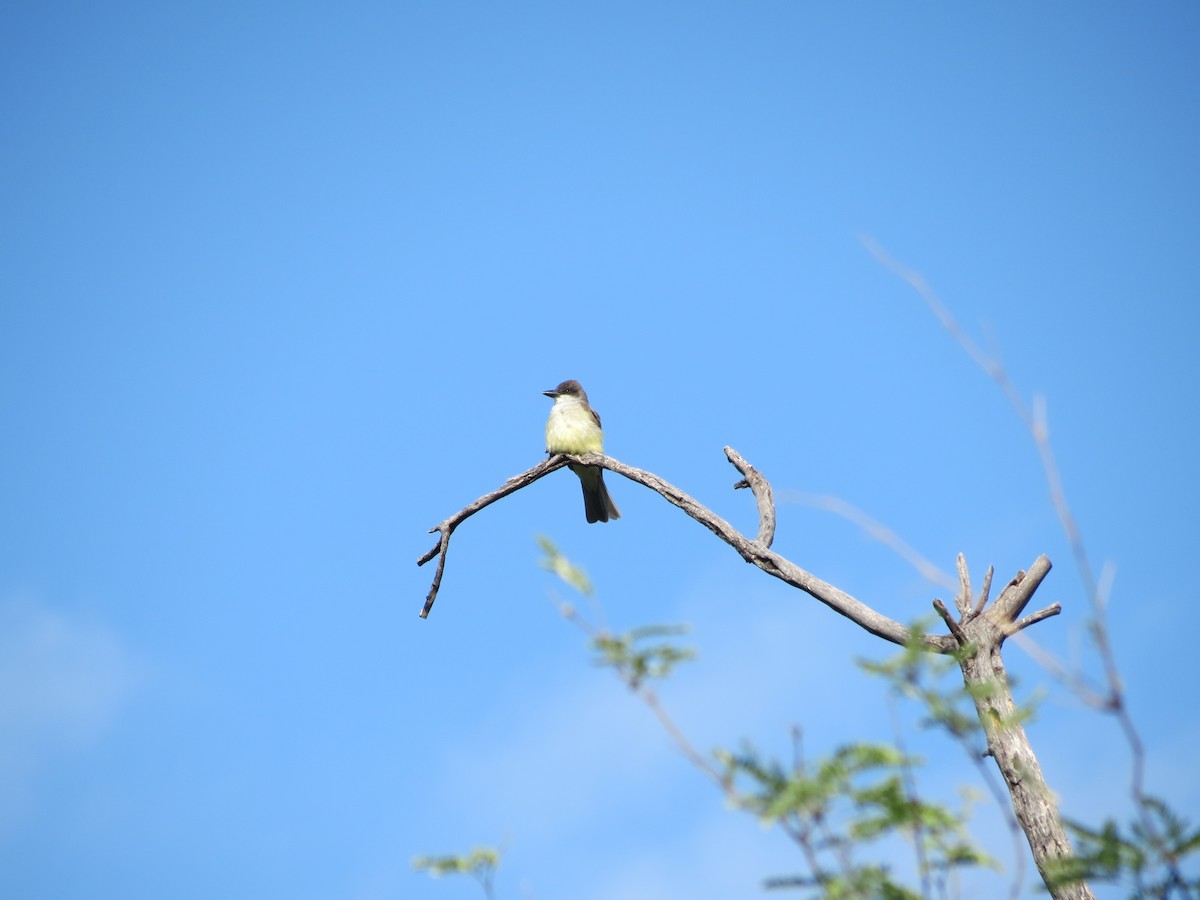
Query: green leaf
(479, 861)
(556, 562)
(633, 663)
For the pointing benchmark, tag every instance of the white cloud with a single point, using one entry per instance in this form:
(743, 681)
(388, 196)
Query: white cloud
(62, 682)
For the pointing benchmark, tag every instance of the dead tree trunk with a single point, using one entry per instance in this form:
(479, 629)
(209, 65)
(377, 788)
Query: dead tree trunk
(980, 632)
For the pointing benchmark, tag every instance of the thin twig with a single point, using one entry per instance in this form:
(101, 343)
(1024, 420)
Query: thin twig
(962, 600)
(955, 628)
(910, 788)
(989, 365)
(1052, 610)
(446, 526)
(984, 591)
(876, 530)
(1072, 678)
(650, 698)
(800, 831)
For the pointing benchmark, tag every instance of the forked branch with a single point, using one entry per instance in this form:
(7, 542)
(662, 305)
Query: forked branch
(446, 527)
(756, 551)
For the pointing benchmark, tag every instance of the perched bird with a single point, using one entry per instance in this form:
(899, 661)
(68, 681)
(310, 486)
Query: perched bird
(574, 427)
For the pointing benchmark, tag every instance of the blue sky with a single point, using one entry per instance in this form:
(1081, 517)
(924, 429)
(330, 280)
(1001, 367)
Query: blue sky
(281, 285)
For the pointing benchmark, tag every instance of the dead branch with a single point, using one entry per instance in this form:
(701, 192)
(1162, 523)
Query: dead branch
(984, 591)
(762, 495)
(955, 629)
(962, 600)
(446, 527)
(1052, 610)
(757, 551)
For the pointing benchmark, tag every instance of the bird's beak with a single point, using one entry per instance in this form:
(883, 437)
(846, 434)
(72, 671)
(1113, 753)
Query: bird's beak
(550, 394)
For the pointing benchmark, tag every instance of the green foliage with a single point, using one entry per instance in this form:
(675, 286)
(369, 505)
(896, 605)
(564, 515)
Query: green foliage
(555, 562)
(1150, 858)
(864, 883)
(627, 654)
(481, 864)
(919, 675)
(834, 808)
(633, 662)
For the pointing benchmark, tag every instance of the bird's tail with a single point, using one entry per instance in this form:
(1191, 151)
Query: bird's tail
(597, 505)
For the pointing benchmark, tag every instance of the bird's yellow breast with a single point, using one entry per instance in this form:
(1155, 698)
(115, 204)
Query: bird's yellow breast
(571, 428)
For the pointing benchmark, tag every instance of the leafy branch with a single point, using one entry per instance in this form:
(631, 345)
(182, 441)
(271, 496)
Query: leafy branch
(481, 864)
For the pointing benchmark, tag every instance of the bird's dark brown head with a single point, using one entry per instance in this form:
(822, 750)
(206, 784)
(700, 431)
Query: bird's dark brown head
(569, 388)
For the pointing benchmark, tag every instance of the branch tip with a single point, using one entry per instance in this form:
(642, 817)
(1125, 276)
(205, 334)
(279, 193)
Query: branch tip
(955, 629)
(1052, 610)
(753, 479)
(962, 600)
(985, 590)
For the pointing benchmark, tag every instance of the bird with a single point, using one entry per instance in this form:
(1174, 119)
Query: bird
(574, 428)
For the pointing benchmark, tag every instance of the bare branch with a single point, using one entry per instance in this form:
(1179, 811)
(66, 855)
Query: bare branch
(1052, 610)
(962, 600)
(762, 495)
(1071, 677)
(752, 551)
(442, 548)
(1018, 593)
(446, 527)
(954, 627)
(984, 591)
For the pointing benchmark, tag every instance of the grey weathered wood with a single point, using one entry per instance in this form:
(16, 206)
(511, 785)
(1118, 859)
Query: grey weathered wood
(987, 683)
